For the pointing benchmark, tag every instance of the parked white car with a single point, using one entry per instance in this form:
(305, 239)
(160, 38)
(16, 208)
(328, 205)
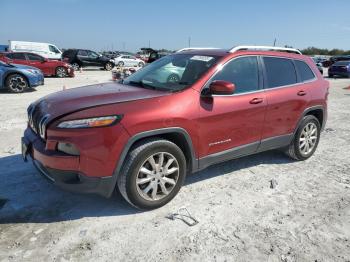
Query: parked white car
(128, 60)
(47, 50)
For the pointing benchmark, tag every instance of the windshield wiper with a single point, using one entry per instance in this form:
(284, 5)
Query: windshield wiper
(142, 84)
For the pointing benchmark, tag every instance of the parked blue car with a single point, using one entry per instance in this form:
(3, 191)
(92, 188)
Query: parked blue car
(19, 78)
(341, 68)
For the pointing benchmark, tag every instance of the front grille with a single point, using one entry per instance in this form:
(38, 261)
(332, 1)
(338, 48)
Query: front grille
(38, 119)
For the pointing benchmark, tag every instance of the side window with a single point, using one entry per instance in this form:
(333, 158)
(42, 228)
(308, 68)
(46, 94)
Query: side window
(279, 71)
(19, 56)
(243, 72)
(53, 49)
(304, 71)
(92, 54)
(9, 56)
(82, 53)
(33, 57)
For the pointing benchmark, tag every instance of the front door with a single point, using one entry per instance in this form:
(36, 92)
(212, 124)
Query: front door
(233, 123)
(39, 62)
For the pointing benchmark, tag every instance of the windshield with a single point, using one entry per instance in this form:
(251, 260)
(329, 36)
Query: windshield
(173, 72)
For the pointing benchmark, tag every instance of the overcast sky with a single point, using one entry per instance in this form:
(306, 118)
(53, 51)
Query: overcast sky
(104, 24)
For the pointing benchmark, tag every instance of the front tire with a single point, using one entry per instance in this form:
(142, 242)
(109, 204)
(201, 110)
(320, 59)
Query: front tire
(152, 174)
(61, 72)
(121, 64)
(306, 139)
(141, 64)
(16, 83)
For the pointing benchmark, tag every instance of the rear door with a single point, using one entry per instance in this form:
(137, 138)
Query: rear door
(287, 96)
(17, 58)
(229, 122)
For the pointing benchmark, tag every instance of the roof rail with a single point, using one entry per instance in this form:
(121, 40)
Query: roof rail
(266, 48)
(195, 48)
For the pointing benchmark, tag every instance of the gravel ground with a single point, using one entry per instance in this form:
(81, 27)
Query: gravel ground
(304, 217)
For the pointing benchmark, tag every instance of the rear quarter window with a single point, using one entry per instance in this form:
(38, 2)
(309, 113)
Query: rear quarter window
(279, 72)
(305, 72)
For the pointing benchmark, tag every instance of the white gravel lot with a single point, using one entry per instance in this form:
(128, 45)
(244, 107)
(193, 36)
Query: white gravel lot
(306, 217)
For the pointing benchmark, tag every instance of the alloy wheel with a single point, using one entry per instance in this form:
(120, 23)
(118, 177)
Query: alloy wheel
(17, 84)
(60, 72)
(308, 138)
(75, 66)
(157, 176)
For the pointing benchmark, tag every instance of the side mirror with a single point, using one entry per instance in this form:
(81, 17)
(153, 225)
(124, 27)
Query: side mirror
(220, 87)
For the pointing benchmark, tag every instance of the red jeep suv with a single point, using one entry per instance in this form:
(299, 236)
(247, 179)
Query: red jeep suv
(145, 133)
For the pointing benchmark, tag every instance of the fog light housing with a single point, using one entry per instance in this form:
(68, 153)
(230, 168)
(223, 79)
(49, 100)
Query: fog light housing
(68, 148)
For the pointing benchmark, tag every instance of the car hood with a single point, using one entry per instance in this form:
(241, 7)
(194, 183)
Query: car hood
(76, 99)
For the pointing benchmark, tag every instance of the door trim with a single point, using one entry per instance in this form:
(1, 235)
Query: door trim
(228, 155)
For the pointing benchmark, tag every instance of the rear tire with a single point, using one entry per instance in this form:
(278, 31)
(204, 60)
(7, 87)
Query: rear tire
(61, 72)
(109, 66)
(121, 63)
(141, 64)
(75, 66)
(147, 183)
(16, 83)
(305, 140)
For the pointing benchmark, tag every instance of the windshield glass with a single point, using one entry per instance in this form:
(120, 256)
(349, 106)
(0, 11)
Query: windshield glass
(173, 72)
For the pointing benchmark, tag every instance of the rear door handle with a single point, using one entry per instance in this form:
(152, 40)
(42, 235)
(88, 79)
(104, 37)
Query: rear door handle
(301, 93)
(256, 100)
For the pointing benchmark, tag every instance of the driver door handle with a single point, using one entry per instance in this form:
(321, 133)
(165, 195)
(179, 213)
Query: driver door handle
(301, 93)
(256, 100)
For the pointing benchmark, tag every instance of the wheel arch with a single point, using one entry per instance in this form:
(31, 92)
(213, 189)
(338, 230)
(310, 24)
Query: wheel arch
(14, 73)
(177, 135)
(318, 112)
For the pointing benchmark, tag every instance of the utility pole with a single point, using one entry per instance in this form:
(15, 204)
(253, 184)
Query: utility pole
(123, 46)
(274, 42)
(189, 41)
(149, 43)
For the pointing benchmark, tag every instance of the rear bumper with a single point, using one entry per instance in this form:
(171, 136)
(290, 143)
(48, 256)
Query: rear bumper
(64, 170)
(70, 72)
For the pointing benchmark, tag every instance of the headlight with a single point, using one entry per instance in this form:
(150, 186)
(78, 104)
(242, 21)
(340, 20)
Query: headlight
(91, 122)
(33, 71)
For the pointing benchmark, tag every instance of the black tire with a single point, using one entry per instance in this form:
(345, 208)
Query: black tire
(16, 83)
(294, 149)
(61, 72)
(75, 66)
(136, 159)
(141, 64)
(109, 66)
(121, 63)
